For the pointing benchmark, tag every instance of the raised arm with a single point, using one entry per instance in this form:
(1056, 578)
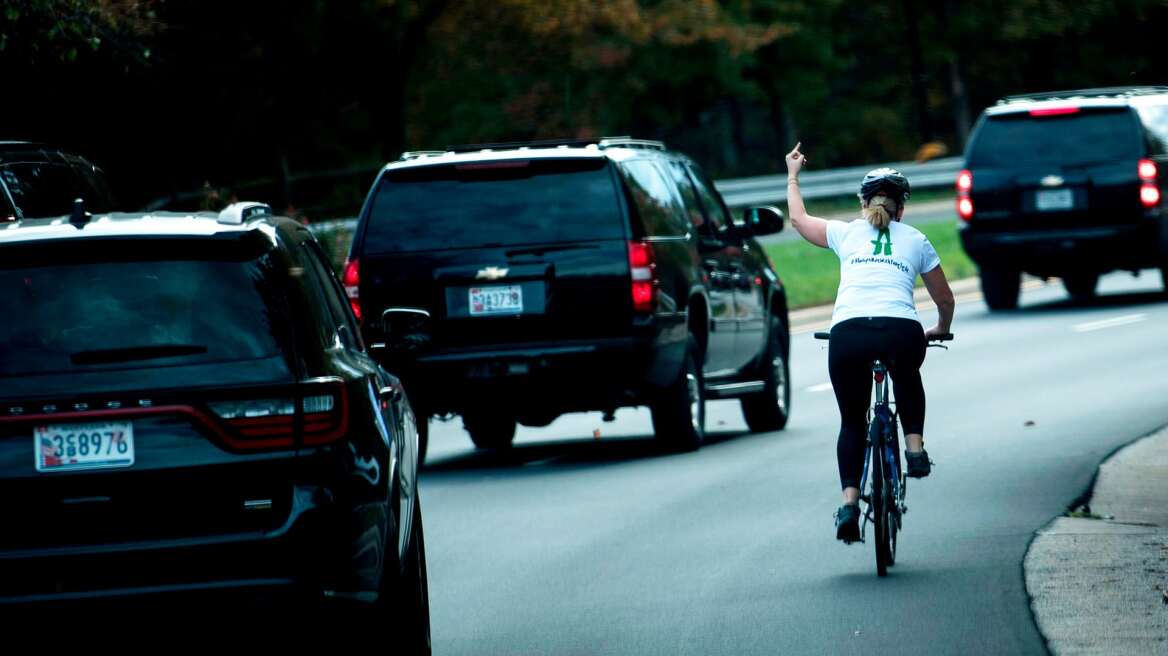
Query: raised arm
(813, 228)
(938, 288)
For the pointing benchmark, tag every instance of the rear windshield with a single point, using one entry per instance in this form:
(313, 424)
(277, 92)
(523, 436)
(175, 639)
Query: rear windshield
(508, 203)
(1083, 138)
(95, 312)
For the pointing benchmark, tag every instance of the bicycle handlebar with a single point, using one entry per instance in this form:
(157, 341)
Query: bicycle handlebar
(943, 337)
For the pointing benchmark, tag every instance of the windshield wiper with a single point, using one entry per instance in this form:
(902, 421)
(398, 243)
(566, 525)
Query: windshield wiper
(151, 352)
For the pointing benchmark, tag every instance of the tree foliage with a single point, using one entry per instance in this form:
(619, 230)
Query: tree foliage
(170, 95)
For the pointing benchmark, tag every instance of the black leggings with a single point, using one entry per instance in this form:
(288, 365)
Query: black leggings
(855, 343)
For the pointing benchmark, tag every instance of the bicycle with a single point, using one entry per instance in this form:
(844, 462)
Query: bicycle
(886, 492)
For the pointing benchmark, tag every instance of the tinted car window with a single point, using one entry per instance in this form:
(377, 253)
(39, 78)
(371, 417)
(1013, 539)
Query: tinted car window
(655, 200)
(508, 203)
(1087, 137)
(1156, 121)
(689, 196)
(715, 210)
(92, 313)
(330, 294)
(40, 189)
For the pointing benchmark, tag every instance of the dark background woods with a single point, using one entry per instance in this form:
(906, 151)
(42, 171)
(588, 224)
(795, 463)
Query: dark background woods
(300, 101)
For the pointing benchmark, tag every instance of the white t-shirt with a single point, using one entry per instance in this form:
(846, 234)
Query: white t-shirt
(878, 268)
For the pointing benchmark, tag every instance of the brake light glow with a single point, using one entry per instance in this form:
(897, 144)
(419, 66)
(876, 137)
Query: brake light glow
(1150, 195)
(964, 181)
(964, 187)
(643, 274)
(1148, 170)
(1054, 111)
(351, 279)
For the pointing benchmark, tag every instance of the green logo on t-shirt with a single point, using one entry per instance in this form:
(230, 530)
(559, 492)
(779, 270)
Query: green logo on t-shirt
(886, 238)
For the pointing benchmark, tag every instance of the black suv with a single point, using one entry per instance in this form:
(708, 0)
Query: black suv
(1067, 184)
(186, 405)
(40, 181)
(516, 282)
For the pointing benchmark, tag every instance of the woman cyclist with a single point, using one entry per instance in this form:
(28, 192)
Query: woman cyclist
(875, 317)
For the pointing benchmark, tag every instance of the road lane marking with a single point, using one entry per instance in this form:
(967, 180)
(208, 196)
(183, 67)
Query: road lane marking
(1109, 323)
(822, 387)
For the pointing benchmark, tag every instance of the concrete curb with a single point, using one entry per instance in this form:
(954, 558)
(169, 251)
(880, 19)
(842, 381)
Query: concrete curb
(1098, 582)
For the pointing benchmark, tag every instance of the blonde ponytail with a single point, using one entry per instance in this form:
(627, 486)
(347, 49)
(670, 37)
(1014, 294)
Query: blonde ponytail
(879, 211)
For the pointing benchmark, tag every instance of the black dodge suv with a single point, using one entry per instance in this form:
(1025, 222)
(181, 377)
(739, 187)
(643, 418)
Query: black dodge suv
(1066, 184)
(511, 283)
(186, 407)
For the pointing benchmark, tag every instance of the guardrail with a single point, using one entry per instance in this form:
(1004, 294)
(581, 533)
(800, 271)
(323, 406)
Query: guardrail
(770, 189)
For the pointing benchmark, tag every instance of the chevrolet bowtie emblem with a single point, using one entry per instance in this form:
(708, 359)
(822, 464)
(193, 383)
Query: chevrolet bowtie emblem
(1052, 181)
(491, 273)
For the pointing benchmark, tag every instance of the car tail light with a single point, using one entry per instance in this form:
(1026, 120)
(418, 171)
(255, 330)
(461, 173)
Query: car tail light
(351, 279)
(320, 405)
(964, 187)
(643, 273)
(1149, 189)
(1054, 111)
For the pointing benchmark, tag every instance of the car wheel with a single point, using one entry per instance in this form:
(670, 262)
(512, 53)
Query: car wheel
(1081, 286)
(423, 437)
(411, 596)
(489, 430)
(1000, 288)
(679, 412)
(768, 410)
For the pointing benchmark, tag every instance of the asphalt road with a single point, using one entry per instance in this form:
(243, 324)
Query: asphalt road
(577, 545)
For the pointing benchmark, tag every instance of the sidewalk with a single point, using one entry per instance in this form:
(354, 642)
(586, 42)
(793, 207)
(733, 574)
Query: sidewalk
(1098, 578)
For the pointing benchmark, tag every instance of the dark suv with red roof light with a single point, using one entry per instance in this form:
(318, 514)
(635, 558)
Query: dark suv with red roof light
(1066, 184)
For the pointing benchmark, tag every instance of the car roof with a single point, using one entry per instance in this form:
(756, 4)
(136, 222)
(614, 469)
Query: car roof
(1102, 98)
(614, 148)
(135, 225)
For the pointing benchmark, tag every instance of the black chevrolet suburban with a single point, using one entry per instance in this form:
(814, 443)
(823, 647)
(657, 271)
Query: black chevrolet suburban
(512, 283)
(1066, 184)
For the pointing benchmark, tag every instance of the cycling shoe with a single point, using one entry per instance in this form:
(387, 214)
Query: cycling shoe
(918, 464)
(847, 523)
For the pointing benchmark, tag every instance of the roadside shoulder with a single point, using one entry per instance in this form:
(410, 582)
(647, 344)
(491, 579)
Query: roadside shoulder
(1098, 581)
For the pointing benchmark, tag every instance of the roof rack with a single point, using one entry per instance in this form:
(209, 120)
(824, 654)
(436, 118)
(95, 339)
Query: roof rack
(603, 142)
(1102, 92)
(414, 154)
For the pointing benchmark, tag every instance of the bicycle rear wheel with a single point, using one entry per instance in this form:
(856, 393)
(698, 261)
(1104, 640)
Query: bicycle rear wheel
(881, 501)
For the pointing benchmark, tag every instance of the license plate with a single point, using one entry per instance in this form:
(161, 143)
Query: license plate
(499, 299)
(70, 447)
(1054, 199)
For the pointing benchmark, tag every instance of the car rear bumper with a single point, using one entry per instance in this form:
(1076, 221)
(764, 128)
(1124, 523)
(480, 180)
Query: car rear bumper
(300, 556)
(1060, 251)
(555, 377)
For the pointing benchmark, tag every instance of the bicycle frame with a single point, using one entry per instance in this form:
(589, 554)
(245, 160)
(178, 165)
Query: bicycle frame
(882, 425)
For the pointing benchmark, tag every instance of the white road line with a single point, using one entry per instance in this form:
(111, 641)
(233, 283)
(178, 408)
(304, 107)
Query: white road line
(822, 387)
(1109, 323)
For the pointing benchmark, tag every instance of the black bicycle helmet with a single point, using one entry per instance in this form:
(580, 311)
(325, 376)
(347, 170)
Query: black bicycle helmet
(890, 181)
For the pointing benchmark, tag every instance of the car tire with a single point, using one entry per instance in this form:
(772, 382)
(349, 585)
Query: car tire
(769, 409)
(1081, 286)
(1000, 288)
(679, 411)
(411, 598)
(423, 437)
(489, 430)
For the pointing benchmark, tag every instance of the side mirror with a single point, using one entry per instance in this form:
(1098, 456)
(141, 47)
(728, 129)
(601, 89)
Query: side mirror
(407, 333)
(765, 220)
